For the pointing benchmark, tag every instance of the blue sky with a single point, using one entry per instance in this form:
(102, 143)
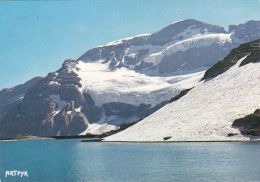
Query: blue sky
(36, 36)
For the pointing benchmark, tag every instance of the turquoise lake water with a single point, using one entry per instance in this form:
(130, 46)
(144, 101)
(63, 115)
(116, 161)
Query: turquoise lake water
(74, 161)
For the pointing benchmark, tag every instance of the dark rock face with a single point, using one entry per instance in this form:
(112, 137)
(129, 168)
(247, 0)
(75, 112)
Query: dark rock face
(167, 138)
(77, 124)
(70, 92)
(254, 55)
(8, 96)
(251, 50)
(28, 117)
(249, 125)
(117, 113)
(246, 32)
(119, 109)
(48, 107)
(42, 89)
(180, 95)
(92, 112)
(69, 122)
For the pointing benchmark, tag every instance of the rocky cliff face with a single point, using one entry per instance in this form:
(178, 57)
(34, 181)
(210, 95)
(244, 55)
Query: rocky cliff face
(245, 32)
(65, 102)
(10, 97)
(49, 107)
(249, 125)
(251, 50)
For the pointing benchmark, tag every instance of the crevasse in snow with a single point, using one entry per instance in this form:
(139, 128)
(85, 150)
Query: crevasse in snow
(127, 86)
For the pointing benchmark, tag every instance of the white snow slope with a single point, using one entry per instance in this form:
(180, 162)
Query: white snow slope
(199, 40)
(97, 129)
(206, 113)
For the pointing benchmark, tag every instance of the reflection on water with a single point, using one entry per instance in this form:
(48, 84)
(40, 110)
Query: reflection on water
(71, 160)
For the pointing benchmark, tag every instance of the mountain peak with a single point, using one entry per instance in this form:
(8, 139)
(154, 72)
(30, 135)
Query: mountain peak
(188, 26)
(186, 21)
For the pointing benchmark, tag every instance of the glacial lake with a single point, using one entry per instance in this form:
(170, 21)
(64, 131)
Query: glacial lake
(75, 161)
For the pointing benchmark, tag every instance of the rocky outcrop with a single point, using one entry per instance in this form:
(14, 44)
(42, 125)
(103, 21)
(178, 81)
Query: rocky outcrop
(69, 92)
(180, 95)
(69, 121)
(249, 125)
(11, 95)
(116, 113)
(251, 50)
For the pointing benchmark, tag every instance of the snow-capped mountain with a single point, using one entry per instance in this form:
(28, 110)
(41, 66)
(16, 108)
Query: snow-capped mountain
(182, 46)
(120, 82)
(211, 110)
(164, 51)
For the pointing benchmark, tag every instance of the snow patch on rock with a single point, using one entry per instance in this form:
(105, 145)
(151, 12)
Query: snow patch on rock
(193, 42)
(97, 129)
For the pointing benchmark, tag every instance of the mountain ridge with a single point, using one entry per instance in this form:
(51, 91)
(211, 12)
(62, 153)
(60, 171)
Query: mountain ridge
(122, 82)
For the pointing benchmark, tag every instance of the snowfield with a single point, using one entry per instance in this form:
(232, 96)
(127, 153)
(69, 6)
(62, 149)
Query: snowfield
(97, 129)
(127, 86)
(196, 41)
(183, 41)
(206, 113)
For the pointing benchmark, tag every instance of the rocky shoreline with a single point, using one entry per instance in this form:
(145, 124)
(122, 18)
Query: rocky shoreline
(99, 138)
(49, 138)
